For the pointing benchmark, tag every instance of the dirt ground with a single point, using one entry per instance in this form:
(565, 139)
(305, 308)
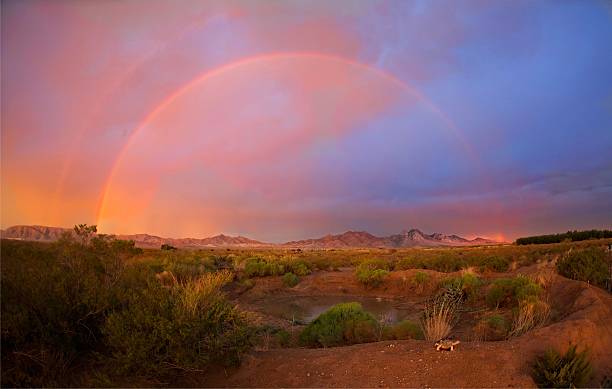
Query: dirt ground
(584, 317)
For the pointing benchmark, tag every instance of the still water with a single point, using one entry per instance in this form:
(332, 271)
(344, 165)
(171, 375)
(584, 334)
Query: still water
(304, 309)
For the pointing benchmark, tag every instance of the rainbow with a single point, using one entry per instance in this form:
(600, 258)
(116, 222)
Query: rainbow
(207, 75)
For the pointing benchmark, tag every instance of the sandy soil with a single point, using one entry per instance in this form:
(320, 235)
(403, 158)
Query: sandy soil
(584, 317)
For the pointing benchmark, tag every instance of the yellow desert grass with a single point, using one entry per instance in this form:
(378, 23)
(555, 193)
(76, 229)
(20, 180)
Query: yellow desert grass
(194, 294)
(531, 314)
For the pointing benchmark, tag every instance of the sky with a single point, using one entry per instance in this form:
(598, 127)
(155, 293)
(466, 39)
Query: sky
(283, 120)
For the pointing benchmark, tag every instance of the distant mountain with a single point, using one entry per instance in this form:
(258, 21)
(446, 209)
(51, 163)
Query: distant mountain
(349, 239)
(37, 233)
(407, 238)
(50, 234)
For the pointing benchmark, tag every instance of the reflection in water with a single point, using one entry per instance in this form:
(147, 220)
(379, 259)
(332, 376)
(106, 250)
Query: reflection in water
(307, 308)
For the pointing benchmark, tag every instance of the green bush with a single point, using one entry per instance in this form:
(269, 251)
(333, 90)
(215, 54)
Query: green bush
(411, 263)
(585, 265)
(299, 268)
(406, 329)
(421, 278)
(497, 264)
(371, 272)
(446, 263)
(185, 327)
(85, 301)
(258, 267)
(185, 265)
(498, 322)
(290, 280)
(469, 284)
(342, 324)
(55, 298)
(283, 337)
(553, 370)
(509, 291)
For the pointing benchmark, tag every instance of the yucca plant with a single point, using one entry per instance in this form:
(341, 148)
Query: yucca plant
(553, 370)
(441, 313)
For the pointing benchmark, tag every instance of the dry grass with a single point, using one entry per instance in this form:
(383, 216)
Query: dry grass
(546, 274)
(195, 294)
(530, 315)
(167, 279)
(440, 316)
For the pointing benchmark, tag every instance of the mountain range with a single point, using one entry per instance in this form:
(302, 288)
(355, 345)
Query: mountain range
(349, 239)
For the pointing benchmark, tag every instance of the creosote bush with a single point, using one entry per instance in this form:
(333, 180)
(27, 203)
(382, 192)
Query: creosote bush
(342, 324)
(552, 370)
(372, 272)
(585, 265)
(183, 328)
(405, 329)
(290, 280)
(260, 267)
(510, 291)
(90, 298)
(494, 327)
(468, 283)
(420, 280)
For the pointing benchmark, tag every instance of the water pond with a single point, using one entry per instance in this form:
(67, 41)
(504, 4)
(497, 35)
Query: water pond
(304, 309)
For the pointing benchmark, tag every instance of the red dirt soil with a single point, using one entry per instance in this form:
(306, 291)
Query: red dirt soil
(585, 319)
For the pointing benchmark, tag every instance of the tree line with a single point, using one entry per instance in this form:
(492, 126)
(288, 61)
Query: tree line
(573, 236)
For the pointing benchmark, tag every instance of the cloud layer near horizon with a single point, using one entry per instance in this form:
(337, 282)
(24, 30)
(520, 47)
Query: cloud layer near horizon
(477, 118)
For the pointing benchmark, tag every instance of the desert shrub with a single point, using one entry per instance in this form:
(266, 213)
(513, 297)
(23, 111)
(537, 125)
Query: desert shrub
(371, 272)
(342, 324)
(492, 328)
(496, 263)
(446, 263)
(54, 301)
(410, 263)
(552, 370)
(283, 337)
(468, 283)
(290, 280)
(300, 268)
(585, 265)
(183, 328)
(510, 291)
(167, 247)
(441, 313)
(186, 265)
(246, 283)
(497, 322)
(406, 329)
(322, 263)
(258, 267)
(421, 278)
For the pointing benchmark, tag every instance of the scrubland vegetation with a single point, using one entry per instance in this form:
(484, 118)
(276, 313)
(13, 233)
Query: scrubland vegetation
(89, 309)
(570, 370)
(87, 301)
